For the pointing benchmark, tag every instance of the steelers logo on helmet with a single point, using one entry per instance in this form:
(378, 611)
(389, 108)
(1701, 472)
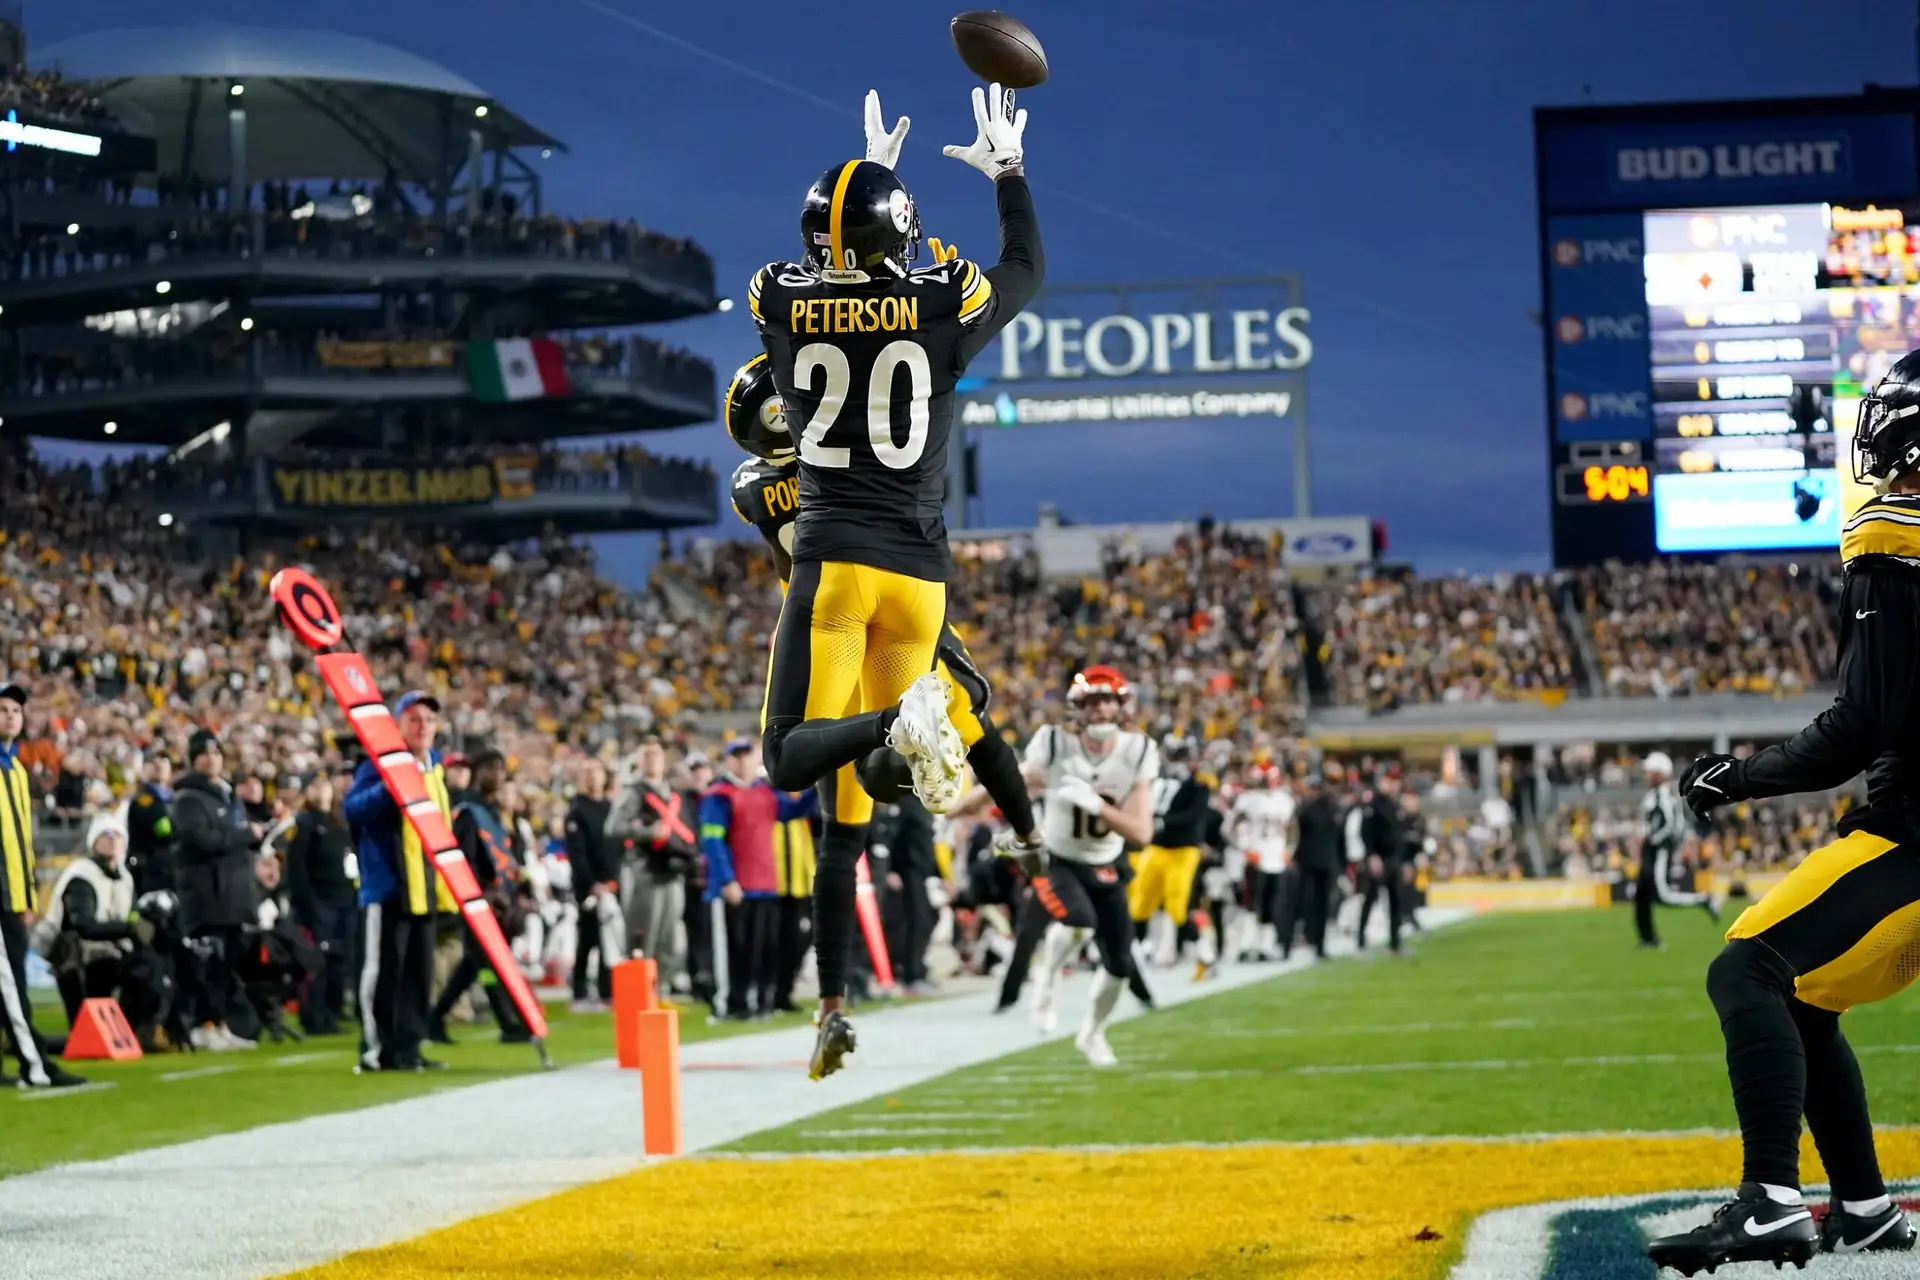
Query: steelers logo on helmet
(755, 417)
(859, 219)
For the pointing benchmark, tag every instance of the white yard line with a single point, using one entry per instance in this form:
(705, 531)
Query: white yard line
(435, 1160)
(195, 1073)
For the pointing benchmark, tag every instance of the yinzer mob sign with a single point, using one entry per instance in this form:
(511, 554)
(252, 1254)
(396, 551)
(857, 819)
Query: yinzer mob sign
(383, 486)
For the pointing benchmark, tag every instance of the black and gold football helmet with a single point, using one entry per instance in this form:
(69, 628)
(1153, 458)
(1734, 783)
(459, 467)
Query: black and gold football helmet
(1886, 439)
(755, 418)
(858, 219)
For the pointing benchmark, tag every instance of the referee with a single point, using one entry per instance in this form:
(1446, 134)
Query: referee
(1663, 826)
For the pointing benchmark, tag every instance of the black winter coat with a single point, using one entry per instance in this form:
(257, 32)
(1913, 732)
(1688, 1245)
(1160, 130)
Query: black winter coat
(212, 855)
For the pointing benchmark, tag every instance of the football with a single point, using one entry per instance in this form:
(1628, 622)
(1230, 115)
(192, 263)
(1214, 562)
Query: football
(999, 49)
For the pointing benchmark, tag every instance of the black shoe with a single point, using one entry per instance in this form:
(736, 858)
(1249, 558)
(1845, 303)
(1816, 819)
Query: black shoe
(1749, 1228)
(58, 1077)
(428, 1064)
(516, 1035)
(831, 1046)
(437, 1031)
(1887, 1231)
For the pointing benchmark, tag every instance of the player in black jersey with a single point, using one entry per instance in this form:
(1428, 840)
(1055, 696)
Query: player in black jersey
(1843, 928)
(764, 496)
(865, 350)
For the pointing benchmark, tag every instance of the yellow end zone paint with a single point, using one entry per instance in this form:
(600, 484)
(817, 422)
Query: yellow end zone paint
(1365, 1211)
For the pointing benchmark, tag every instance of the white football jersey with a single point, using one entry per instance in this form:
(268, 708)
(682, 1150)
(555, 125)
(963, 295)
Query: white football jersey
(1260, 821)
(1067, 830)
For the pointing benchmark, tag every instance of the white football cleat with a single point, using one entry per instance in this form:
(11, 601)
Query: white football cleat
(1092, 1042)
(924, 735)
(1042, 1012)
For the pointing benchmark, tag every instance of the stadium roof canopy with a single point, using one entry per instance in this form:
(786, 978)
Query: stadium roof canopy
(319, 104)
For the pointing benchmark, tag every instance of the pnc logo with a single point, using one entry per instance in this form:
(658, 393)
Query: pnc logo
(1577, 406)
(1572, 329)
(1569, 252)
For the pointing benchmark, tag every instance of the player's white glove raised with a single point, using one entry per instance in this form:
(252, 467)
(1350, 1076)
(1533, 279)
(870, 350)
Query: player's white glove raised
(883, 146)
(1079, 793)
(996, 152)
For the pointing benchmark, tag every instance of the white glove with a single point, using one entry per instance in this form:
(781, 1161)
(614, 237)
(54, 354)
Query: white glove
(883, 147)
(997, 150)
(1079, 793)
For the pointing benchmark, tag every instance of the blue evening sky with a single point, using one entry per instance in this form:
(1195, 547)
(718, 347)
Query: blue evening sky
(1382, 148)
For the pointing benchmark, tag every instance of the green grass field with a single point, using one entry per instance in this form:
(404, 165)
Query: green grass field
(177, 1097)
(1504, 1025)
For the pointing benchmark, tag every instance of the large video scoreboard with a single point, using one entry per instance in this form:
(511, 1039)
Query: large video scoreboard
(1720, 281)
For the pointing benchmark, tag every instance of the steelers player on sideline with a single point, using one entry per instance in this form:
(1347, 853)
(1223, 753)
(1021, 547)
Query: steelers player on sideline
(1097, 782)
(1843, 928)
(1169, 866)
(865, 351)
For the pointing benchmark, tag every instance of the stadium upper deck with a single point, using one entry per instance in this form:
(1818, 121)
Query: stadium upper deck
(335, 245)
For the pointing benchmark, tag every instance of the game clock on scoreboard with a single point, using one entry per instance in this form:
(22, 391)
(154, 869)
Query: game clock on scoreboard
(1599, 474)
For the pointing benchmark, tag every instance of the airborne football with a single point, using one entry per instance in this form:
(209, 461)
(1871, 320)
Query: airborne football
(999, 48)
(714, 641)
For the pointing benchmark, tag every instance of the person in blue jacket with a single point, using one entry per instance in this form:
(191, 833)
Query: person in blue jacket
(737, 819)
(397, 900)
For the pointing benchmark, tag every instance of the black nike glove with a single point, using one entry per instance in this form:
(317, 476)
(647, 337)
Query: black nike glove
(1712, 781)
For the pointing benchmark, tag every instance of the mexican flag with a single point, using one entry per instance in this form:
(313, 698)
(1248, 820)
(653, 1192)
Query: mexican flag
(516, 369)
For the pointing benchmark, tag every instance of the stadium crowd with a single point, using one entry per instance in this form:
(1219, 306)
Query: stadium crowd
(44, 94)
(1392, 640)
(129, 649)
(190, 221)
(1675, 628)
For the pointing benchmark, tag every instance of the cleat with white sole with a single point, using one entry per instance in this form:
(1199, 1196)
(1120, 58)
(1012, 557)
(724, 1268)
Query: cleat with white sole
(924, 736)
(1043, 1014)
(1092, 1044)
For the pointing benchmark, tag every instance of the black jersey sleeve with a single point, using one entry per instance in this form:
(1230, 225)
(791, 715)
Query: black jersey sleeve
(1015, 278)
(1872, 709)
(766, 497)
(1184, 824)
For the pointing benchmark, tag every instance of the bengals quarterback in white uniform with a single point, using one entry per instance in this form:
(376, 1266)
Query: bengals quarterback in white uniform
(1097, 787)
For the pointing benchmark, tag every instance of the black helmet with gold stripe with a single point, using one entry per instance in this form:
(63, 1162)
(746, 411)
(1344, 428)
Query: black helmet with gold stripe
(1886, 437)
(858, 219)
(755, 418)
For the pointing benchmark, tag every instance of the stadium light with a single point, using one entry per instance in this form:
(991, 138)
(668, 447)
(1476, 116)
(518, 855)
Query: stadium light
(73, 228)
(112, 427)
(480, 112)
(726, 304)
(246, 323)
(163, 286)
(166, 519)
(236, 90)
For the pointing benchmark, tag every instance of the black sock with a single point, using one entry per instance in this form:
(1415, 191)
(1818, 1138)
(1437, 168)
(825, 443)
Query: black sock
(998, 769)
(799, 754)
(1750, 986)
(833, 891)
(1137, 983)
(1837, 1106)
